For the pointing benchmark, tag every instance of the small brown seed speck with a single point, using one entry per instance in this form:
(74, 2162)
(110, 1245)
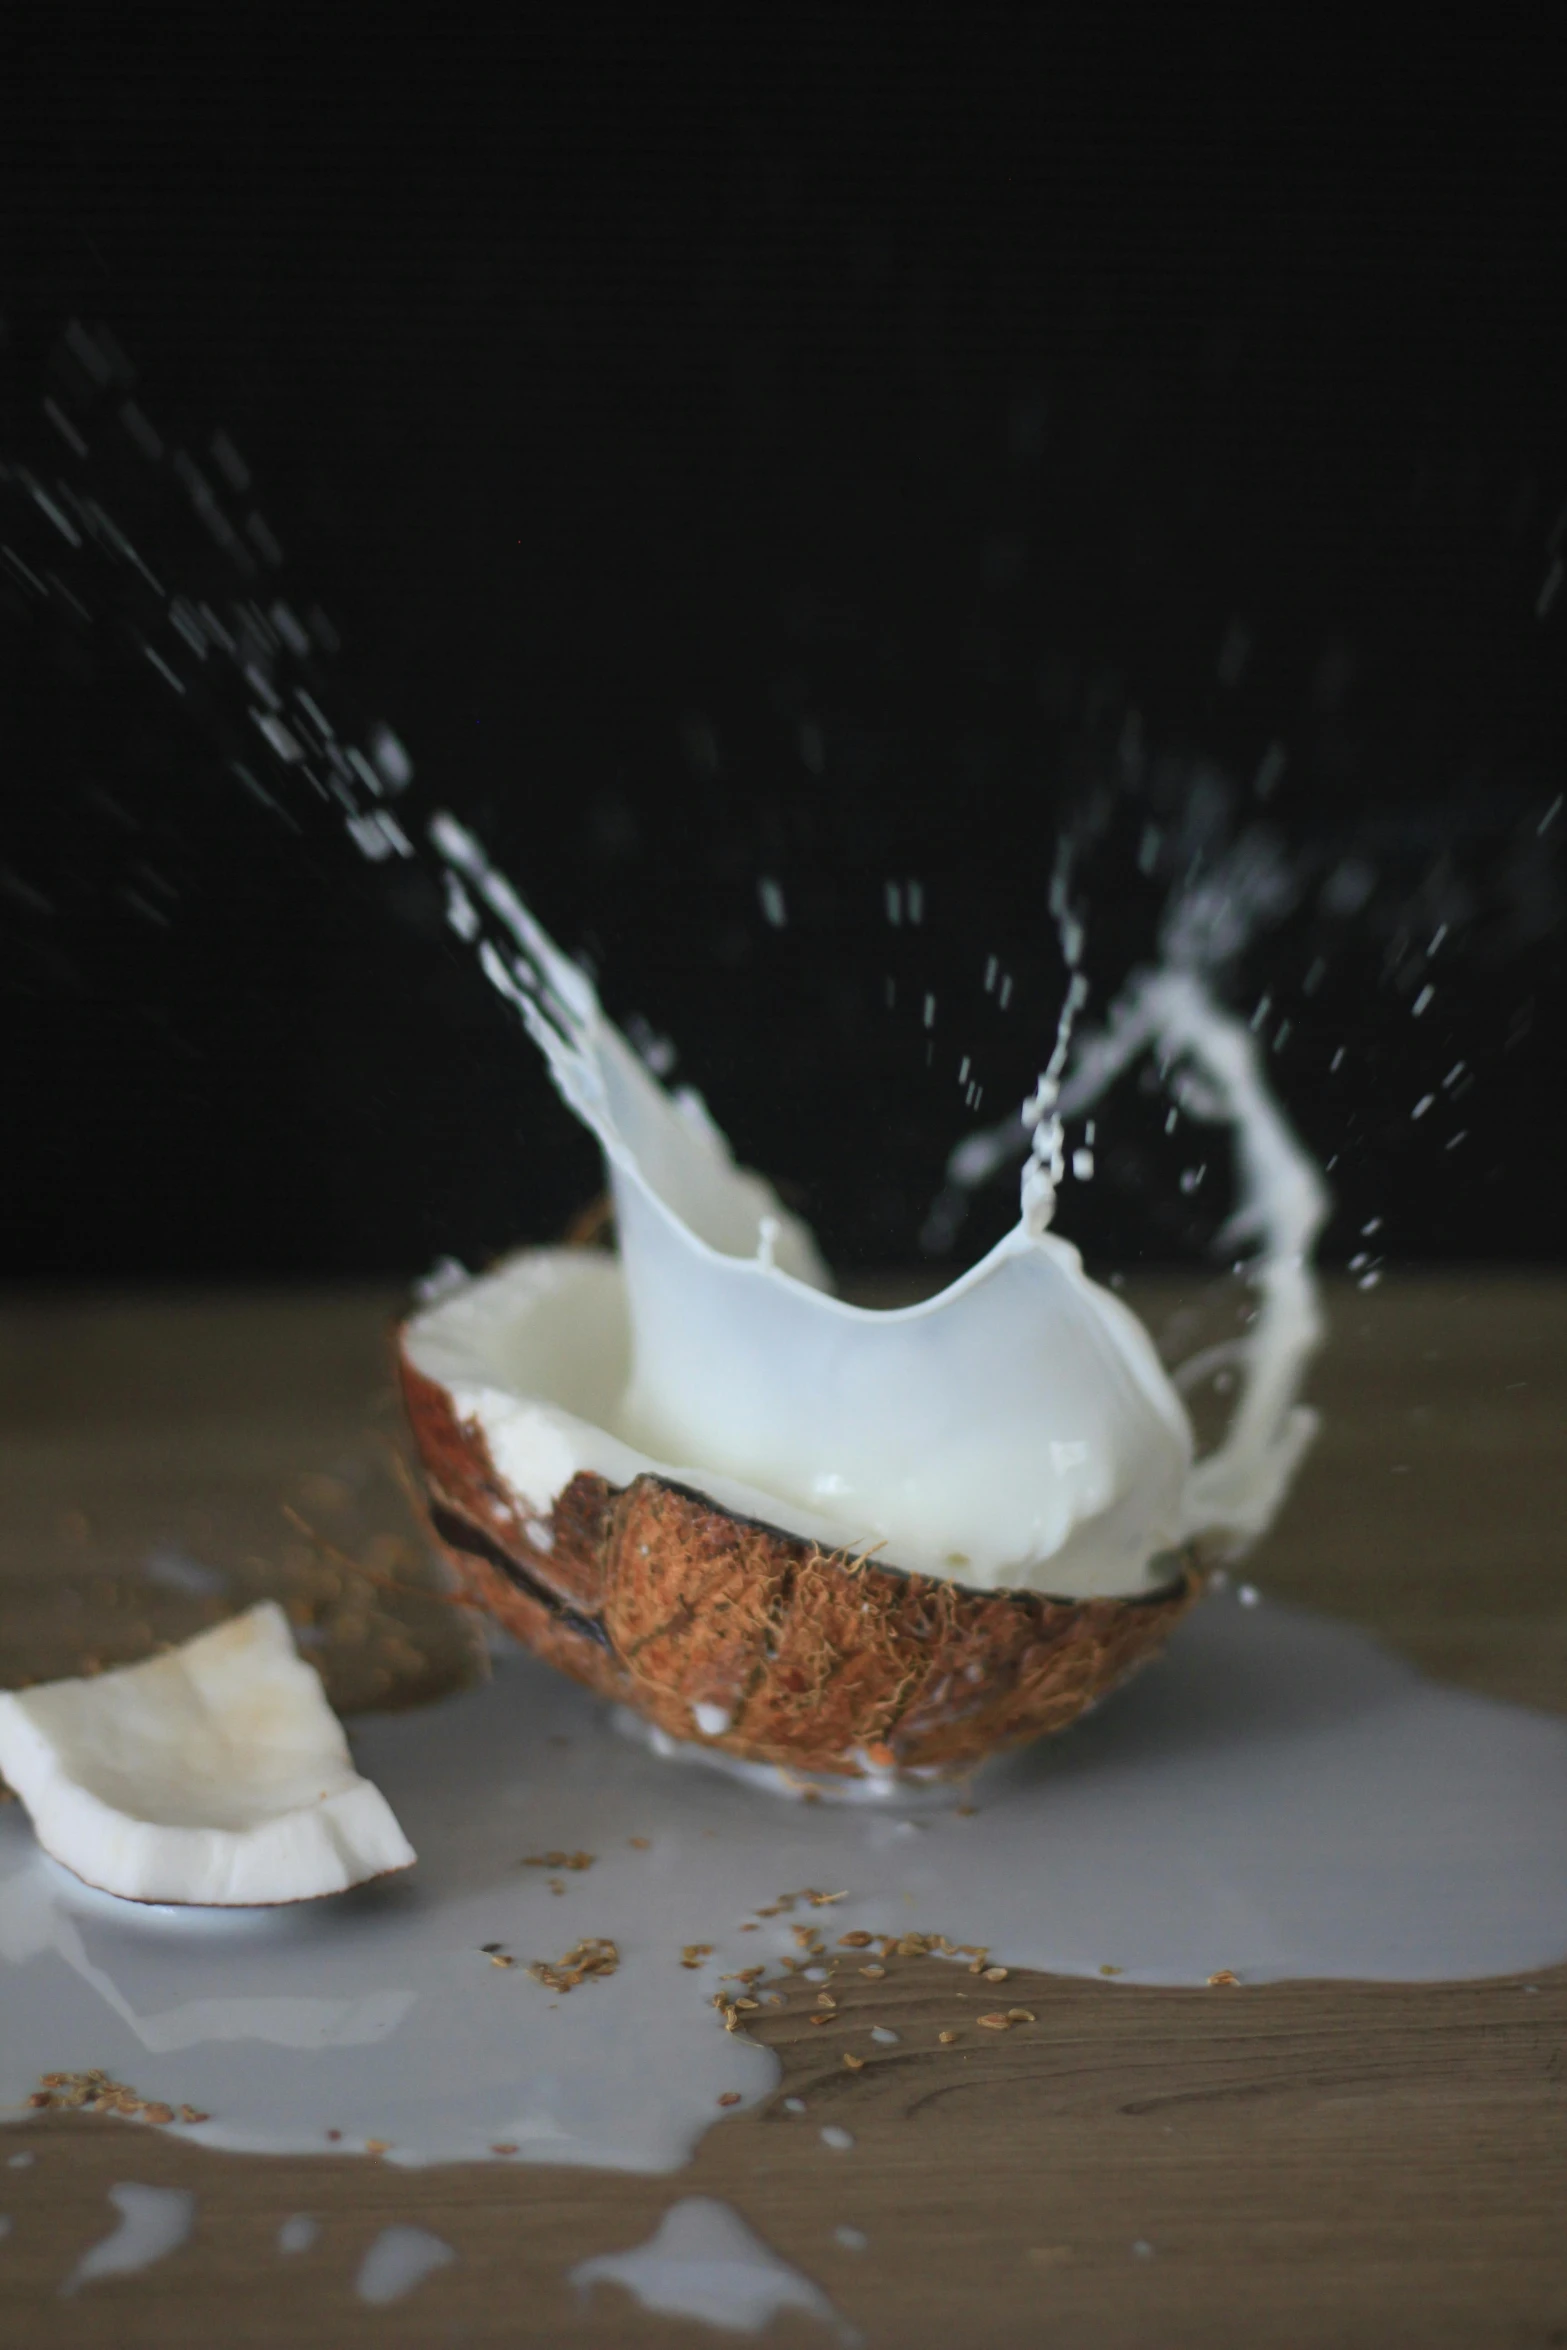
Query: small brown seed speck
(1225, 1975)
(946, 2038)
(730, 2097)
(1112, 1970)
(854, 1941)
(996, 2021)
(506, 2148)
(875, 1972)
(995, 1974)
(640, 1843)
(1021, 2015)
(158, 2113)
(853, 2064)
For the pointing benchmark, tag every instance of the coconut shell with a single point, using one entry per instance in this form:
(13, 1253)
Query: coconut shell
(651, 1594)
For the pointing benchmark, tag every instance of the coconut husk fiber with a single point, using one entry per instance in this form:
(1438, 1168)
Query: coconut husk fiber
(815, 1661)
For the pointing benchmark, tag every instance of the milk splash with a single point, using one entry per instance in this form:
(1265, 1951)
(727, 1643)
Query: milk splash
(1015, 1432)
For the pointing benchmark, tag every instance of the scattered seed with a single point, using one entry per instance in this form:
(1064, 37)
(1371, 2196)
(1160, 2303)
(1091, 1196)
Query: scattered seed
(694, 1953)
(874, 1972)
(40, 2097)
(730, 2097)
(855, 1941)
(499, 1958)
(994, 1974)
(594, 1955)
(1112, 1970)
(1225, 1975)
(824, 1900)
(946, 2038)
(377, 2145)
(822, 2019)
(853, 2064)
(158, 2113)
(560, 1860)
(640, 1843)
(188, 2113)
(1021, 2015)
(746, 2006)
(506, 2148)
(996, 2021)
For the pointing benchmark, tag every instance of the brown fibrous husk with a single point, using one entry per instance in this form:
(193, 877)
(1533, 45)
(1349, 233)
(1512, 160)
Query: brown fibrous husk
(653, 1595)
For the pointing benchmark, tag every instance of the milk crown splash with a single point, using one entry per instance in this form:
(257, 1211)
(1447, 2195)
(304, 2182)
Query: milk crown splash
(1017, 1431)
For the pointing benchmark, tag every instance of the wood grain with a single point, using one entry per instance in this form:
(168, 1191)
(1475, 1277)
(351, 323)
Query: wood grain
(1330, 2164)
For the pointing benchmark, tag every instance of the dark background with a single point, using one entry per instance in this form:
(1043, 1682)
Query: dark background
(835, 453)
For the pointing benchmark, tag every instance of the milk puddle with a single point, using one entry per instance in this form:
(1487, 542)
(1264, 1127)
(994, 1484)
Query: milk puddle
(705, 2262)
(1278, 1797)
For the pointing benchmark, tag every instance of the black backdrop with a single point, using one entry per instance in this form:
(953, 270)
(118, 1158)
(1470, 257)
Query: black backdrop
(823, 457)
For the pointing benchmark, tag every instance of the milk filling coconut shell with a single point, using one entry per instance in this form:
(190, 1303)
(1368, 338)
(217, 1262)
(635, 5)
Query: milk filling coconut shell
(214, 1774)
(808, 1534)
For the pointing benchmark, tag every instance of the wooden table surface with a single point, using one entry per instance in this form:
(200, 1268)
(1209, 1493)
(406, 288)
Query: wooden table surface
(1311, 2163)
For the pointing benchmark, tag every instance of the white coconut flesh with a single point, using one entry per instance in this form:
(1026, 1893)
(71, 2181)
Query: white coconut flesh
(1016, 1432)
(216, 1774)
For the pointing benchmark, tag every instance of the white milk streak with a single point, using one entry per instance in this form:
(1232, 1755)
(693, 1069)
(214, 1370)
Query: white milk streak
(154, 2221)
(399, 2259)
(705, 2262)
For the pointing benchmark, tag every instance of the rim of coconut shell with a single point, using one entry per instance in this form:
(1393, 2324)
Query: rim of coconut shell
(726, 1632)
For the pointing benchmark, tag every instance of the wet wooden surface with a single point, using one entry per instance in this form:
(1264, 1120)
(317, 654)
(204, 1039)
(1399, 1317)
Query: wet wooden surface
(1291, 2165)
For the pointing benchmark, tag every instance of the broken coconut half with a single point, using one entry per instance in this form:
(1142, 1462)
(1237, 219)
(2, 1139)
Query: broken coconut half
(214, 1774)
(809, 1534)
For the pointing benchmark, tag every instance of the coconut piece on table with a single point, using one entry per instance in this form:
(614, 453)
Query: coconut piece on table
(216, 1774)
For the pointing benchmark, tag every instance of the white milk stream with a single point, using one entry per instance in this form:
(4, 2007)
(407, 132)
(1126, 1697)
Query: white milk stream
(1279, 1797)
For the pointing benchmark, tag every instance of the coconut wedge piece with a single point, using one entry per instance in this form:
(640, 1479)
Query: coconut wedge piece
(216, 1774)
